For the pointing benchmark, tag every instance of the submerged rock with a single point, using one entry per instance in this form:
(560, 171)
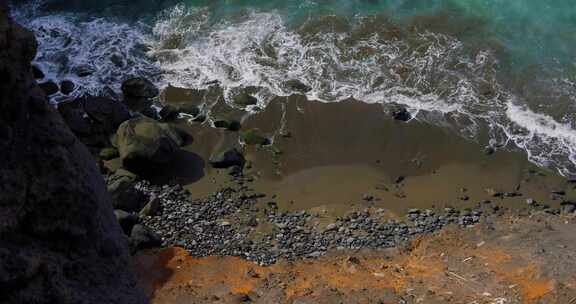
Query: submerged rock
(67, 87)
(401, 114)
(49, 87)
(140, 88)
(251, 137)
(144, 143)
(228, 159)
(298, 86)
(244, 99)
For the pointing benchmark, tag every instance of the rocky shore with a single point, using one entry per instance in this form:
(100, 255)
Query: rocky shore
(143, 136)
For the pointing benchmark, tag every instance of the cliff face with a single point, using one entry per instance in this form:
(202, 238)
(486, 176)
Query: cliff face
(59, 241)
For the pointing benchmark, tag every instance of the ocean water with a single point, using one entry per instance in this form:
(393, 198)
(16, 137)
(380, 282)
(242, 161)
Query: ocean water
(499, 72)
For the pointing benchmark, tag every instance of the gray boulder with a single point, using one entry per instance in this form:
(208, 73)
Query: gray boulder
(144, 144)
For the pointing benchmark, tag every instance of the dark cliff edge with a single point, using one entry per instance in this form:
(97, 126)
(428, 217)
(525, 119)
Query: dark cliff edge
(59, 240)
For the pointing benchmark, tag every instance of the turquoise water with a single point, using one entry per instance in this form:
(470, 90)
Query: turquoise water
(506, 68)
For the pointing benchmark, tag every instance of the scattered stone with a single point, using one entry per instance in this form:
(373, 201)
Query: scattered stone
(234, 126)
(67, 87)
(531, 202)
(49, 87)
(399, 179)
(489, 150)
(228, 159)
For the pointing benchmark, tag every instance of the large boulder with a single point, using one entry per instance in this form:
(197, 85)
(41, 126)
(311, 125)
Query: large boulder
(59, 239)
(144, 144)
(143, 237)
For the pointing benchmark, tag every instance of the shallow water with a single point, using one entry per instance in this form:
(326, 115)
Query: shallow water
(502, 68)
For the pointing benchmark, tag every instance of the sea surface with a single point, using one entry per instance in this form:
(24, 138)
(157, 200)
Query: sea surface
(501, 72)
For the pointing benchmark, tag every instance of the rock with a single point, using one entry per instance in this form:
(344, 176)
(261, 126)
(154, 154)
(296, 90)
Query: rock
(93, 119)
(244, 99)
(568, 207)
(59, 239)
(126, 220)
(186, 108)
(234, 126)
(144, 143)
(221, 124)
(143, 237)
(489, 150)
(140, 88)
(67, 87)
(228, 159)
(37, 73)
(531, 202)
(169, 113)
(49, 87)
(251, 137)
(151, 207)
(298, 86)
(401, 114)
(109, 153)
(124, 196)
(83, 70)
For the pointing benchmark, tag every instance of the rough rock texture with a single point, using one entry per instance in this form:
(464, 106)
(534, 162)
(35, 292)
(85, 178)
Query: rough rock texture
(59, 240)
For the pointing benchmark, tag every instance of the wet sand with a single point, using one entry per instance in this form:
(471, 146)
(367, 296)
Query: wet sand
(337, 155)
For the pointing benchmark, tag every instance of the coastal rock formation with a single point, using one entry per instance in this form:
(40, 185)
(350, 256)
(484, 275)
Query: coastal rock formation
(59, 240)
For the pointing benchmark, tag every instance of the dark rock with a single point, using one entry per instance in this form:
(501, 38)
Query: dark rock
(245, 99)
(221, 124)
(38, 74)
(143, 237)
(489, 150)
(124, 196)
(151, 208)
(186, 108)
(140, 88)
(93, 119)
(169, 113)
(228, 159)
(234, 126)
(49, 87)
(401, 114)
(251, 137)
(83, 71)
(59, 239)
(298, 86)
(109, 153)
(67, 87)
(144, 143)
(126, 220)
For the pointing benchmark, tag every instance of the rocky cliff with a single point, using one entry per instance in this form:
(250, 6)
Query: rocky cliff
(59, 241)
